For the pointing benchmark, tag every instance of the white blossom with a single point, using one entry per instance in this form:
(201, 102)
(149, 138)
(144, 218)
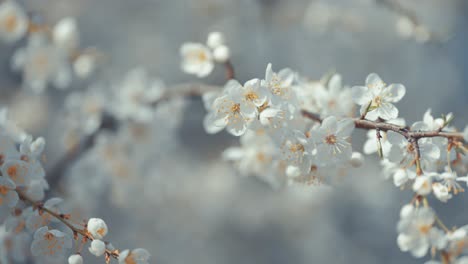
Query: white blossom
(8, 195)
(371, 145)
(97, 248)
(75, 259)
(13, 21)
(441, 192)
(377, 98)
(232, 110)
(416, 231)
(403, 152)
(280, 84)
(84, 65)
(335, 100)
(135, 256)
(50, 242)
(215, 39)
(422, 185)
(296, 151)
(65, 34)
(97, 227)
(196, 59)
(42, 63)
(221, 54)
(333, 140)
(135, 94)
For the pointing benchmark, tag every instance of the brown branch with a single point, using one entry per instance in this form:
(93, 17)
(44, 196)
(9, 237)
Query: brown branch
(62, 218)
(229, 70)
(404, 131)
(109, 123)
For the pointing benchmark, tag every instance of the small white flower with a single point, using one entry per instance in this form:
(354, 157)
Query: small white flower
(84, 65)
(85, 109)
(428, 123)
(371, 145)
(8, 195)
(379, 96)
(416, 231)
(97, 248)
(336, 99)
(65, 34)
(332, 140)
(295, 150)
(232, 110)
(97, 227)
(215, 39)
(32, 148)
(401, 176)
(17, 170)
(196, 59)
(441, 192)
(403, 152)
(449, 180)
(36, 220)
(50, 242)
(13, 21)
(135, 256)
(221, 54)
(75, 259)
(135, 95)
(422, 185)
(42, 63)
(280, 84)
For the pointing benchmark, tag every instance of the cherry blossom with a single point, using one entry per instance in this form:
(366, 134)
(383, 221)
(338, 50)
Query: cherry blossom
(135, 256)
(13, 21)
(376, 98)
(197, 59)
(50, 242)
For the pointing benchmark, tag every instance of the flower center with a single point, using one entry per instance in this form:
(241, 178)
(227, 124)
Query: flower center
(377, 101)
(48, 236)
(10, 22)
(297, 148)
(263, 107)
(330, 139)
(410, 148)
(250, 96)
(424, 229)
(4, 190)
(235, 108)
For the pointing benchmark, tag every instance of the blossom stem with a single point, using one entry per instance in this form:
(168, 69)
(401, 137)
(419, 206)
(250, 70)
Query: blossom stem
(404, 131)
(230, 74)
(61, 218)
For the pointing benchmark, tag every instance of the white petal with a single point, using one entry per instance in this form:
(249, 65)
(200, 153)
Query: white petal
(213, 124)
(396, 92)
(373, 79)
(361, 95)
(388, 111)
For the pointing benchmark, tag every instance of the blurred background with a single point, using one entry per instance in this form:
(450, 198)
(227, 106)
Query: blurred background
(185, 204)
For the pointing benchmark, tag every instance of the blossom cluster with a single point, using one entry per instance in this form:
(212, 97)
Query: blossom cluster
(296, 131)
(278, 143)
(29, 221)
(293, 132)
(51, 56)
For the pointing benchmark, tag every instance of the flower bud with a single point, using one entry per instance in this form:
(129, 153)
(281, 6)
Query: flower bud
(97, 227)
(97, 248)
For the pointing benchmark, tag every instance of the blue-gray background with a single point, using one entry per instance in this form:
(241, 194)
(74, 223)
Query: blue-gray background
(202, 211)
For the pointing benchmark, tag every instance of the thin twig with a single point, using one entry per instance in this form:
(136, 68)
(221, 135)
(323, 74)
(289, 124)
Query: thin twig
(83, 232)
(404, 131)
